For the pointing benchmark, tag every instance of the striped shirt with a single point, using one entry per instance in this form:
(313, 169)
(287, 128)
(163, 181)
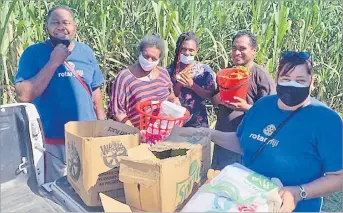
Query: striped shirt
(127, 91)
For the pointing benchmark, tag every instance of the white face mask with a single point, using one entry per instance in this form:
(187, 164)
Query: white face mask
(186, 59)
(145, 64)
(292, 84)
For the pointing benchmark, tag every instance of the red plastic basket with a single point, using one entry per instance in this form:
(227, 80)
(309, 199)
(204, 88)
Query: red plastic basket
(155, 128)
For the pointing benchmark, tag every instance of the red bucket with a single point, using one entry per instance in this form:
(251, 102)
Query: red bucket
(233, 82)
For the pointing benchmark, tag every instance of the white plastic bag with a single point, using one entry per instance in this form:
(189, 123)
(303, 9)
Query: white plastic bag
(236, 189)
(169, 109)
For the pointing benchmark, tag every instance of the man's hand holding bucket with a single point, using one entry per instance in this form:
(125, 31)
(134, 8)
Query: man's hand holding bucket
(239, 105)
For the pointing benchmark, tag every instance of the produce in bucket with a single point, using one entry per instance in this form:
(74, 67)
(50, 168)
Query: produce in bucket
(239, 73)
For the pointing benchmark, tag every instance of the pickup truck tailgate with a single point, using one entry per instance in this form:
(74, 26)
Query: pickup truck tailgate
(19, 187)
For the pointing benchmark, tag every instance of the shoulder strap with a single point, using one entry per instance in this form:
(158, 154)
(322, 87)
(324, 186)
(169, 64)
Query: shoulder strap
(263, 145)
(77, 76)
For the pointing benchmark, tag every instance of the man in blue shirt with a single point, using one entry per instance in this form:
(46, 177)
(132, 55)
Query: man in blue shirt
(46, 77)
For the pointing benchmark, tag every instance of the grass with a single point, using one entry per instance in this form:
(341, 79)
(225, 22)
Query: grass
(114, 27)
(333, 203)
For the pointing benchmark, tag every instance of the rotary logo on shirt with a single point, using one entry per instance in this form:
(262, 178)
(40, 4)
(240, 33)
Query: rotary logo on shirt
(267, 132)
(68, 73)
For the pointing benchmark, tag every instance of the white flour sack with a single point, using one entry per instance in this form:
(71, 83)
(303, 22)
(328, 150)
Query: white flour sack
(236, 189)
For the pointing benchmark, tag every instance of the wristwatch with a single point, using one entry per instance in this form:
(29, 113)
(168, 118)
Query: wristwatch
(303, 193)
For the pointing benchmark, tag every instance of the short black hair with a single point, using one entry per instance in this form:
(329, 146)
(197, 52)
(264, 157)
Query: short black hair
(56, 8)
(288, 64)
(252, 37)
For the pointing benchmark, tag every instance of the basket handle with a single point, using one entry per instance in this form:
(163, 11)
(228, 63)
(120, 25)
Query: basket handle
(155, 102)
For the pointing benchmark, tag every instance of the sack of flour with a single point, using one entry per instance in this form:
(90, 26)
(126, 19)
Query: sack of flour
(236, 189)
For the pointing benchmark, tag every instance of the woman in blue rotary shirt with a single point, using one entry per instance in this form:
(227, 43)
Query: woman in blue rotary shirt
(293, 137)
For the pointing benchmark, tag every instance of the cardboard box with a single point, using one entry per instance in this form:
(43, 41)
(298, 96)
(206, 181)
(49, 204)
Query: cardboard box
(92, 150)
(162, 185)
(111, 204)
(195, 136)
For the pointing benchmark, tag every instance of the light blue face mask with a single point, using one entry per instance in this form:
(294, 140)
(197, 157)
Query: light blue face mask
(292, 84)
(186, 59)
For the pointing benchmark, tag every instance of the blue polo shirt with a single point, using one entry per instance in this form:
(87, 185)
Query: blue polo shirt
(65, 99)
(307, 146)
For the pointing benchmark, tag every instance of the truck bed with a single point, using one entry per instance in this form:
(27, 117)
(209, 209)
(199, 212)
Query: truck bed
(19, 197)
(66, 196)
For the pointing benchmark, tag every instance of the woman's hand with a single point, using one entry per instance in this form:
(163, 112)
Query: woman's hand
(290, 197)
(330, 183)
(185, 79)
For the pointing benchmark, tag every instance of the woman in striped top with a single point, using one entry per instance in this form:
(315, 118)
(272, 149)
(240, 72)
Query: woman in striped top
(143, 81)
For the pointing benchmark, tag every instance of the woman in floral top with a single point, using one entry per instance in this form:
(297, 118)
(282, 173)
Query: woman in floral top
(193, 82)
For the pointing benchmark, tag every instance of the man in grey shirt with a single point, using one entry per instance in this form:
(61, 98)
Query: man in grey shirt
(261, 84)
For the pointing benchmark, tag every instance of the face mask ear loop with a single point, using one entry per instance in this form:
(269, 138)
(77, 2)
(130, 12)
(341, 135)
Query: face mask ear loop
(311, 88)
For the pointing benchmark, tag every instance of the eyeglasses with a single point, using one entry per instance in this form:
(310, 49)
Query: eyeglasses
(296, 56)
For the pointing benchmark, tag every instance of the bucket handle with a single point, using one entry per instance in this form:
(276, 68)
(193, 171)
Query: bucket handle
(232, 88)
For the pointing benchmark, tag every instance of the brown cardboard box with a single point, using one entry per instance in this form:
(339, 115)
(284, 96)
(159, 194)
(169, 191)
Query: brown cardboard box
(195, 136)
(111, 204)
(162, 185)
(92, 149)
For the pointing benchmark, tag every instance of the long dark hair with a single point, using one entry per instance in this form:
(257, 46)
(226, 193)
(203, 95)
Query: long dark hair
(186, 36)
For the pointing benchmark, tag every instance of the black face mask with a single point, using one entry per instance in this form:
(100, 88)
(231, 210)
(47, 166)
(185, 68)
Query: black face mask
(55, 41)
(291, 95)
